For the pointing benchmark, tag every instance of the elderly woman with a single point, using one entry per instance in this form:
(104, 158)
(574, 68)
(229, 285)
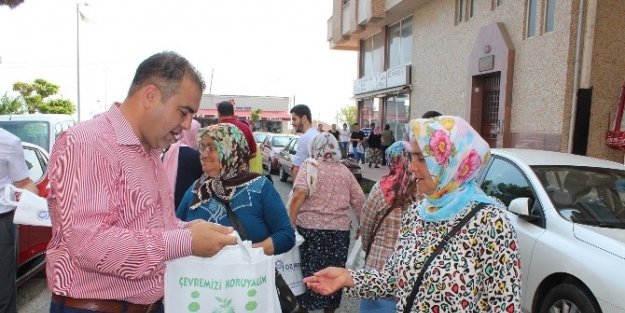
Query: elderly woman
(227, 181)
(381, 217)
(478, 269)
(323, 192)
(182, 162)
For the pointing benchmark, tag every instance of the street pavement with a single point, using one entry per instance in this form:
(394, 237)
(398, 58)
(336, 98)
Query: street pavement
(34, 296)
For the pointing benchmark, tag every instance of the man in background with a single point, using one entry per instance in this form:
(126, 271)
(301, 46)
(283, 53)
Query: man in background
(344, 135)
(334, 132)
(357, 138)
(320, 128)
(301, 118)
(13, 169)
(225, 112)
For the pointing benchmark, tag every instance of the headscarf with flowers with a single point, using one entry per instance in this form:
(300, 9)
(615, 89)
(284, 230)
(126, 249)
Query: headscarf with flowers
(393, 185)
(322, 148)
(454, 153)
(234, 155)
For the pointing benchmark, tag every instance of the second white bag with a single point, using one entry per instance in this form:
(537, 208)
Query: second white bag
(31, 209)
(356, 257)
(288, 264)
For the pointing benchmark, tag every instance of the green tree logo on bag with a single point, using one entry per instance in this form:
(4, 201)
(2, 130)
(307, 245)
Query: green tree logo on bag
(225, 304)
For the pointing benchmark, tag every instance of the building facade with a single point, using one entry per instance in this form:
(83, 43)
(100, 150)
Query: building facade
(275, 116)
(541, 74)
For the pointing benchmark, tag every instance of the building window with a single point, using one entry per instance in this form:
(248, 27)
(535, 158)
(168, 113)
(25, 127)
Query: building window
(532, 7)
(372, 54)
(397, 115)
(400, 43)
(471, 8)
(550, 15)
(460, 11)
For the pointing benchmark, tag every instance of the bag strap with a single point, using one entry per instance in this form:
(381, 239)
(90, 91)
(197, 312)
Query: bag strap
(439, 247)
(236, 222)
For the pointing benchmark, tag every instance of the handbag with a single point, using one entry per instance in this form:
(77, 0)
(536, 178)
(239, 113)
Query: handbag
(439, 247)
(615, 138)
(30, 209)
(288, 300)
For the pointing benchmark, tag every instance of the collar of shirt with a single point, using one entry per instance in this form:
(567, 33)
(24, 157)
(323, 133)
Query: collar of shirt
(124, 134)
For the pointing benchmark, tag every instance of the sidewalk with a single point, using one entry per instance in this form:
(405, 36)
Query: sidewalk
(374, 174)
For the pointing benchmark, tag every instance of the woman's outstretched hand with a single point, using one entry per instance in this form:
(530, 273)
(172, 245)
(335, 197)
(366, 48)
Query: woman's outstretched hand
(329, 280)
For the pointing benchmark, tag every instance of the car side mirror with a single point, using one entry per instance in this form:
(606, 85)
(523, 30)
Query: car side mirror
(521, 207)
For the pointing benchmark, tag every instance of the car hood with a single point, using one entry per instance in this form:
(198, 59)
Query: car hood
(611, 240)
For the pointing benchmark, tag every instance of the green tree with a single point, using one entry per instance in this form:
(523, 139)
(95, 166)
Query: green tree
(255, 115)
(347, 114)
(36, 97)
(11, 105)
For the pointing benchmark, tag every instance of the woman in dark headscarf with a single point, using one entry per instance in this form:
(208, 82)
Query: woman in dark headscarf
(381, 217)
(479, 269)
(227, 181)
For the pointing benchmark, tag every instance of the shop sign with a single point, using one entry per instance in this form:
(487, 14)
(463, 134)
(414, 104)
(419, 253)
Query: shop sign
(393, 77)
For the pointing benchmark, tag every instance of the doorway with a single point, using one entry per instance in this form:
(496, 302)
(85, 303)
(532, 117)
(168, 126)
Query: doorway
(490, 108)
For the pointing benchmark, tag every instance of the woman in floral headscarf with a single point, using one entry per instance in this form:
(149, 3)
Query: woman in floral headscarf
(323, 192)
(381, 217)
(227, 181)
(479, 268)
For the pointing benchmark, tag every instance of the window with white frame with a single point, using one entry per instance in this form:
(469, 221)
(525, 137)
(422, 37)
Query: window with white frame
(550, 15)
(532, 8)
(400, 43)
(372, 55)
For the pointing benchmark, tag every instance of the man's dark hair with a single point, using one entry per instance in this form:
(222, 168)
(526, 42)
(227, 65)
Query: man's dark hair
(387, 127)
(165, 70)
(355, 124)
(431, 114)
(225, 108)
(302, 110)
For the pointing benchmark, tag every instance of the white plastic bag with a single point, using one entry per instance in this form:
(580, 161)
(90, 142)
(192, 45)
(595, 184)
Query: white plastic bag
(288, 264)
(237, 279)
(30, 209)
(356, 257)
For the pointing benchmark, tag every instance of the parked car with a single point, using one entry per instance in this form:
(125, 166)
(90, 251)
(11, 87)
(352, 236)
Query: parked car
(33, 240)
(291, 149)
(271, 147)
(569, 215)
(39, 129)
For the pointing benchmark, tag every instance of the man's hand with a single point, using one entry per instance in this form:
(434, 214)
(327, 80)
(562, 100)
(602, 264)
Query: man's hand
(209, 238)
(193, 222)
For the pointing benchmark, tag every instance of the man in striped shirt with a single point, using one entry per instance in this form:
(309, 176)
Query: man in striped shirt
(113, 223)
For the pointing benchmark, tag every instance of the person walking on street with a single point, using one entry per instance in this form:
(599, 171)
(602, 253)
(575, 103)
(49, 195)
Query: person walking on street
(111, 205)
(301, 118)
(357, 138)
(334, 132)
(344, 136)
(374, 151)
(387, 139)
(225, 110)
(13, 170)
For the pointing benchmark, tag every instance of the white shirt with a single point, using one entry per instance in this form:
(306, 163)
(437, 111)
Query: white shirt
(344, 135)
(12, 163)
(302, 146)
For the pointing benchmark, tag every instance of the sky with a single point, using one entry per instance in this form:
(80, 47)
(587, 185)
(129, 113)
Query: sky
(251, 47)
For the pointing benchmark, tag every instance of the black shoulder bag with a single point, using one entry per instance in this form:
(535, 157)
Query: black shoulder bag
(288, 300)
(439, 247)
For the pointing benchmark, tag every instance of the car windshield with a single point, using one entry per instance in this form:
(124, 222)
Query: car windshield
(586, 195)
(36, 132)
(280, 141)
(260, 137)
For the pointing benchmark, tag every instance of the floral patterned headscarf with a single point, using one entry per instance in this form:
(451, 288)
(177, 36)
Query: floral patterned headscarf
(322, 148)
(398, 158)
(234, 155)
(454, 153)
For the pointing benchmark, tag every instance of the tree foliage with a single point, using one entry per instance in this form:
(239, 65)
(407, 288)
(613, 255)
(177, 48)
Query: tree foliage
(39, 97)
(255, 115)
(11, 105)
(347, 114)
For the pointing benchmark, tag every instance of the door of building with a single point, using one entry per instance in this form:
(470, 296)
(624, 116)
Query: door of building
(490, 108)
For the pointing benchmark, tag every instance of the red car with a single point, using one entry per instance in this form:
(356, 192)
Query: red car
(33, 240)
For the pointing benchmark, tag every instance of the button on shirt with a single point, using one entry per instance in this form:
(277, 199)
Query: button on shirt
(302, 146)
(113, 222)
(12, 165)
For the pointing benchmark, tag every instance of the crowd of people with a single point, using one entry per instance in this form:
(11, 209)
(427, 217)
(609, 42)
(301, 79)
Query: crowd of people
(143, 184)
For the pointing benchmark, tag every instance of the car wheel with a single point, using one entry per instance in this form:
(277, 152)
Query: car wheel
(565, 298)
(283, 175)
(272, 169)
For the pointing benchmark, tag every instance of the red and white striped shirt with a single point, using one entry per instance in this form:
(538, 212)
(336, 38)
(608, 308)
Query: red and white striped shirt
(112, 211)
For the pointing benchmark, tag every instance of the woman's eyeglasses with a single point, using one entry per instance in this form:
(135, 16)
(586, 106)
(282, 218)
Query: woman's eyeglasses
(210, 148)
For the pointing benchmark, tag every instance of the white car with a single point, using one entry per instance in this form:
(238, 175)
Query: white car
(569, 215)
